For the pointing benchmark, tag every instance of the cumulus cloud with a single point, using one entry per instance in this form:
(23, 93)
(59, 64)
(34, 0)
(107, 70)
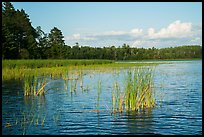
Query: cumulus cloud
(174, 30)
(78, 37)
(136, 31)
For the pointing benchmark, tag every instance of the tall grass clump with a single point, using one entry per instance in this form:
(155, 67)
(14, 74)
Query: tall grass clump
(138, 89)
(137, 93)
(34, 86)
(99, 92)
(27, 86)
(117, 98)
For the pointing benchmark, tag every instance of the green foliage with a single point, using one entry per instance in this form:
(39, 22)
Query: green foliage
(17, 33)
(56, 43)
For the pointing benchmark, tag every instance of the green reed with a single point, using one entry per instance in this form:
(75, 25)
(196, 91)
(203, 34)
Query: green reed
(71, 86)
(99, 92)
(19, 69)
(138, 89)
(115, 97)
(39, 63)
(34, 86)
(27, 86)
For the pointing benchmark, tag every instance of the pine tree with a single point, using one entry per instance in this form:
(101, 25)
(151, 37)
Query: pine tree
(18, 35)
(56, 43)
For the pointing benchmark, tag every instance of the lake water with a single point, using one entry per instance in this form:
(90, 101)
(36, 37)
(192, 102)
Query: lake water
(178, 92)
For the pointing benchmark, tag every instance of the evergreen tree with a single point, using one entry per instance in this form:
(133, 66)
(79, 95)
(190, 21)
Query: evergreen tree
(18, 35)
(9, 45)
(56, 43)
(42, 43)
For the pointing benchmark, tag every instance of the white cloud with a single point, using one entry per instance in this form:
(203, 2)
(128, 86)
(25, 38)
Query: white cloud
(136, 32)
(113, 33)
(76, 36)
(174, 30)
(73, 37)
(79, 37)
(176, 33)
(133, 32)
(151, 32)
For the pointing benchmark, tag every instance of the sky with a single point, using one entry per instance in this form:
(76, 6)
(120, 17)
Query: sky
(138, 24)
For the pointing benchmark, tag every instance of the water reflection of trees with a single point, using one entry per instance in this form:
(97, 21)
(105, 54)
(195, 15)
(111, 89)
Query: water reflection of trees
(140, 122)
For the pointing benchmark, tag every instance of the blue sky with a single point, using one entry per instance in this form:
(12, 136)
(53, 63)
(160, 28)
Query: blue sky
(139, 24)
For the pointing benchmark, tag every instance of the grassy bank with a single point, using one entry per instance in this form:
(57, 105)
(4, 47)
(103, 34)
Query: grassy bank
(50, 63)
(19, 69)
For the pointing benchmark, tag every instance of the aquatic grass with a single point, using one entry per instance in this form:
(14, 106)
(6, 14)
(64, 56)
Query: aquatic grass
(35, 79)
(41, 90)
(32, 120)
(43, 121)
(19, 71)
(25, 120)
(113, 102)
(99, 92)
(120, 103)
(82, 85)
(39, 63)
(31, 83)
(66, 85)
(116, 98)
(138, 89)
(27, 86)
(65, 78)
(87, 88)
(75, 85)
(81, 78)
(16, 121)
(71, 86)
(36, 122)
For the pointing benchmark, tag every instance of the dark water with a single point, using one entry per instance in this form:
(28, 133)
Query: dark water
(178, 89)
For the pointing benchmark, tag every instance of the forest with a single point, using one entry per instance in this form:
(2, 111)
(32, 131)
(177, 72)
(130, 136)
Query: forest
(20, 40)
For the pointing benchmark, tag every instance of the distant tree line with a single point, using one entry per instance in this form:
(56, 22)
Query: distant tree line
(21, 41)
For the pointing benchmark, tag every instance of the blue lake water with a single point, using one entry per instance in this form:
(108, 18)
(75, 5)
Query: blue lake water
(178, 92)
